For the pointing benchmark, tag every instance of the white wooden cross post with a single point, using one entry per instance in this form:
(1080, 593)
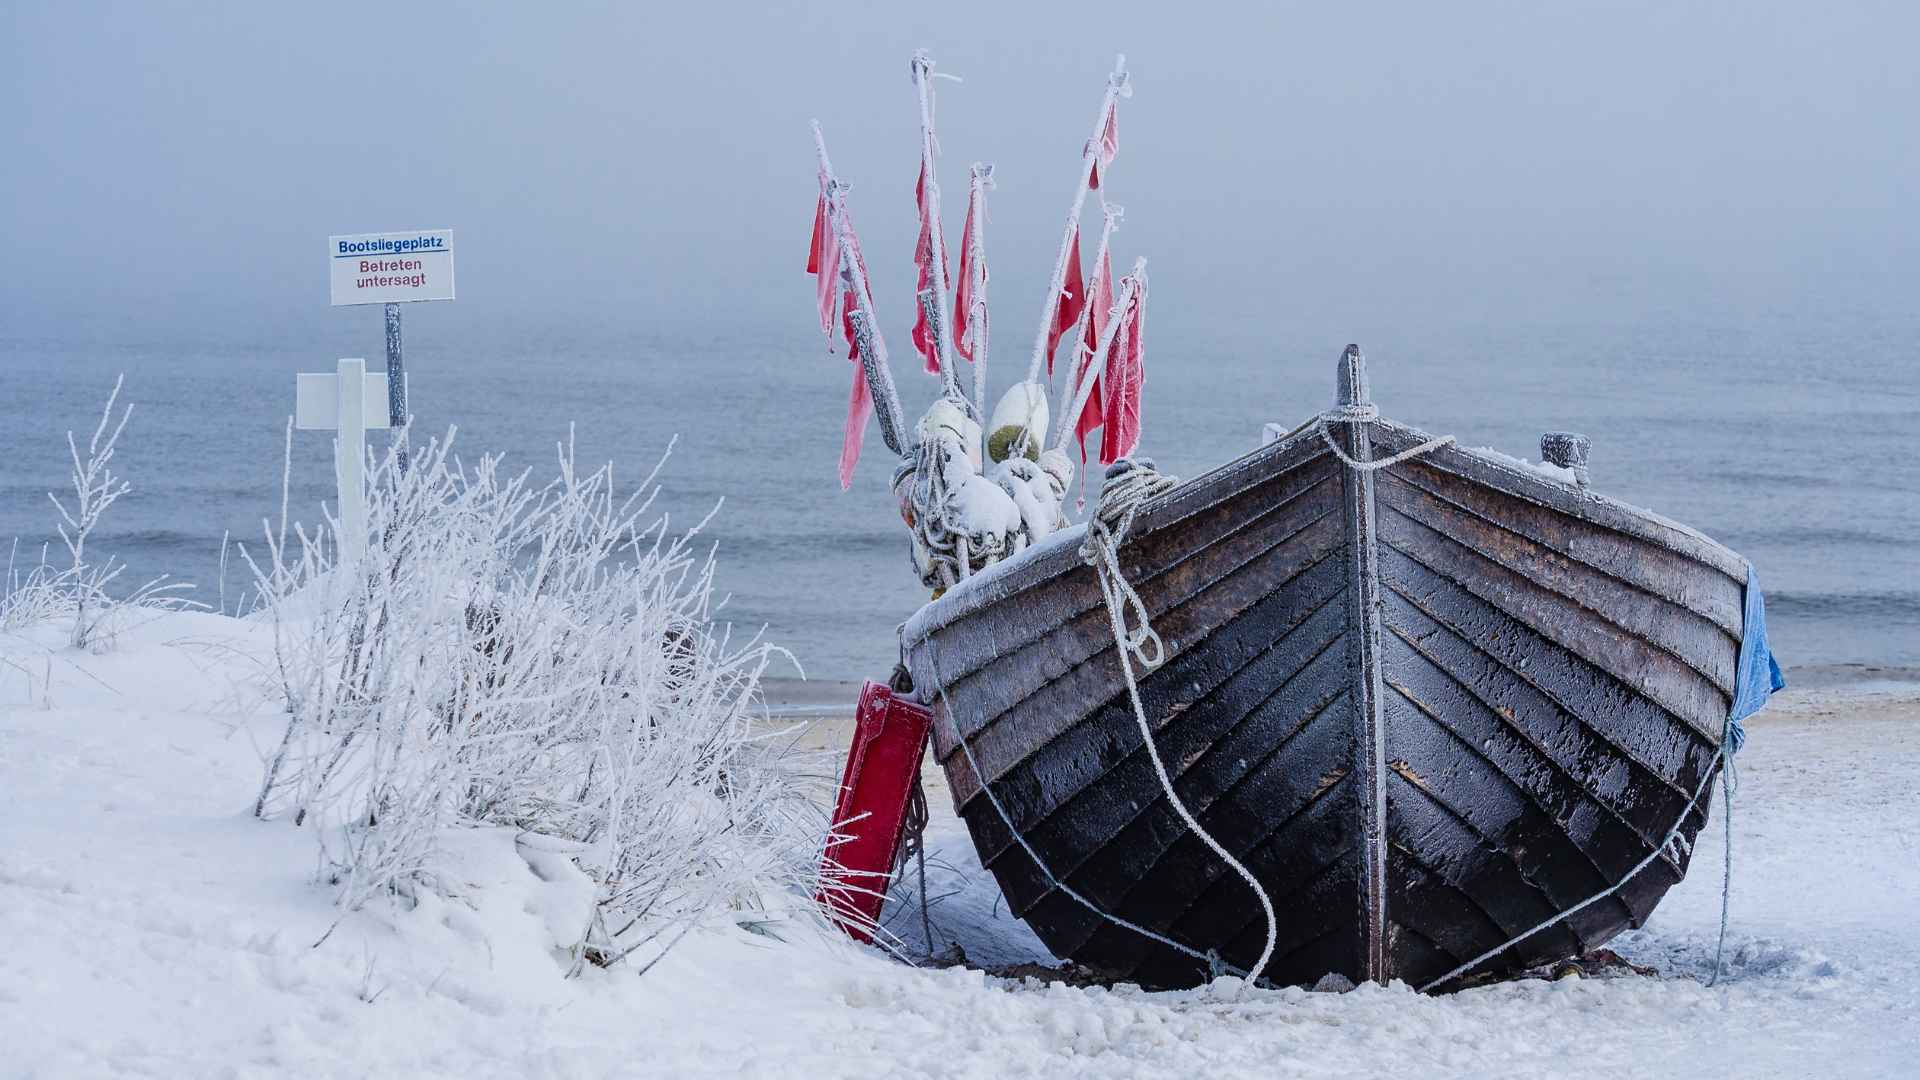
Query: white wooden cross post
(349, 401)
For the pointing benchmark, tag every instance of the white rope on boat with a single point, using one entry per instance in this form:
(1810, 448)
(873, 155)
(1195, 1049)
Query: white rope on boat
(1347, 414)
(1729, 780)
(1213, 961)
(1129, 485)
(1671, 844)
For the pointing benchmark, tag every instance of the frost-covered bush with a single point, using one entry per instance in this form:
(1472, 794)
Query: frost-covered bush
(540, 657)
(81, 591)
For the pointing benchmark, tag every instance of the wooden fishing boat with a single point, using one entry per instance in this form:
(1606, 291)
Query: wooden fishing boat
(1431, 707)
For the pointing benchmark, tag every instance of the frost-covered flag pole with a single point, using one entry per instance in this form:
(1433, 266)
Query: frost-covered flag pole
(1065, 291)
(932, 332)
(970, 295)
(350, 402)
(846, 310)
(1087, 336)
(1126, 374)
(1118, 369)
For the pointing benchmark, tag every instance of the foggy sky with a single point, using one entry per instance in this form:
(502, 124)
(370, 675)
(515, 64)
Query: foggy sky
(649, 164)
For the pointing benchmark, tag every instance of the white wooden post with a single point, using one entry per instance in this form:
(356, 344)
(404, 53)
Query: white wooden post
(349, 401)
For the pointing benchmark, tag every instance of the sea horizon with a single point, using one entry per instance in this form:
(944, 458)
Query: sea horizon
(1765, 414)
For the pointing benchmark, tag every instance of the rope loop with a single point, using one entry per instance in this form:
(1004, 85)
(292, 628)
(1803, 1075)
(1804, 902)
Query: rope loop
(1129, 484)
(1354, 412)
(1349, 414)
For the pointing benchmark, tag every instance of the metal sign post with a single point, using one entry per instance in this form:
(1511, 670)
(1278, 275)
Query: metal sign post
(396, 384)
(392, 269)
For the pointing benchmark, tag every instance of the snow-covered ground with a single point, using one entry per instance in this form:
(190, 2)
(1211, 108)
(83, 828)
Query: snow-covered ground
(150, 927)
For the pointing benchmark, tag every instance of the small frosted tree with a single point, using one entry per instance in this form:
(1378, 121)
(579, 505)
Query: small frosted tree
(542, 657)
(81, 590)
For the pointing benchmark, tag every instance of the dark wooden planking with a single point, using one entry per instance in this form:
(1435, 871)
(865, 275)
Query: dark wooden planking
(1412, 956)
(1278, 587)
(1020, 584)
(1277, 544)
(1509, 817)
(1449, 919)
(1277, 787)
(1652, 672)
(1311, 872)
(1266, 821)
(1478, 467)
(1193, 552)
(1320, 936)
(1694, 585)
(1668, 747)
(1190, 714)
(1421, 823)
(1691, 638)
(1108, 863)
(1315, 908)
(1596, 827)
(1318, 940)
(1306, 828)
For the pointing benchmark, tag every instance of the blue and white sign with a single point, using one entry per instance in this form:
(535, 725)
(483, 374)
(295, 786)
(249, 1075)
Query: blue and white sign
(391, 268)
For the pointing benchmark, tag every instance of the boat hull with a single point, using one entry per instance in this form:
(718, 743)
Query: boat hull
(1430, 707)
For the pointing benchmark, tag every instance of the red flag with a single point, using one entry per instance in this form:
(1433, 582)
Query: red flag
(923, 342)
(823, 261)
(836, 317)
(1072, 299)
(1109, 145)
(963, 295)
(1126, 373)
(859, 408)
(819, 238)
(1102, 300)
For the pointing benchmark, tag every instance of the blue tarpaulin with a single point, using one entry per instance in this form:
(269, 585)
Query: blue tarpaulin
(1759, 673)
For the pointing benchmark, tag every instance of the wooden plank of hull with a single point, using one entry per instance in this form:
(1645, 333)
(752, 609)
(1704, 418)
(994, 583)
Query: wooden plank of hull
(1717, 597)
(1310, 871)
(1611, 707)
(1588, 828)
(1652, 672)
(1172, 567)
(1052, 683)
(1284, 747)
(1241, 800)
(1692, 638)
(1516, 686)
(1248, 715)
(1592, 516)
(1052, 585)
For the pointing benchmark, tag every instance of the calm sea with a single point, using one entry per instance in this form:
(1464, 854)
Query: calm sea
(1786, 429)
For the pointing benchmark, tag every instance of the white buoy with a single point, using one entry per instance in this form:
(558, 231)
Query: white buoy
(1022, 410)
